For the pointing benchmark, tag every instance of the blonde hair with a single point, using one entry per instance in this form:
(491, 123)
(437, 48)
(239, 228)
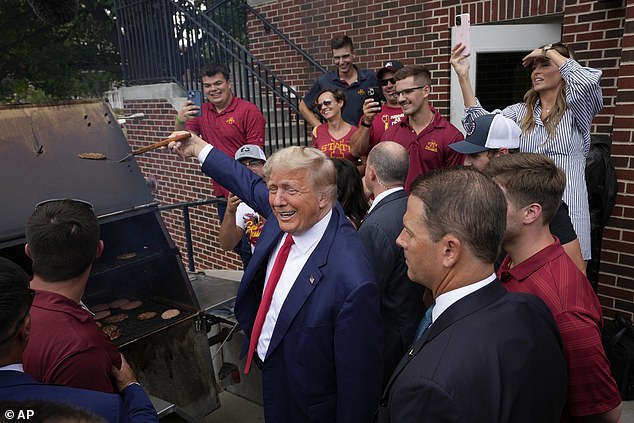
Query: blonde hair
(557, 112)
(322, 170)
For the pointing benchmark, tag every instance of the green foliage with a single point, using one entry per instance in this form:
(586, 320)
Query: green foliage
(46, 61)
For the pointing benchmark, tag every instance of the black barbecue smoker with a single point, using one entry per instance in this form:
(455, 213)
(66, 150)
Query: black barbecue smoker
(39, 150)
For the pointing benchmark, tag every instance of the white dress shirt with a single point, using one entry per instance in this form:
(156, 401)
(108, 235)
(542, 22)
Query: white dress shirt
(444, 301)
(15, 367)
(301, 250)
(381, 196)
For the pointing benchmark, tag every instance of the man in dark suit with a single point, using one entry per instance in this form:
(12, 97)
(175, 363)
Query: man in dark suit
(320, 342)
(489, 356)
(401, 299)
(15, 323)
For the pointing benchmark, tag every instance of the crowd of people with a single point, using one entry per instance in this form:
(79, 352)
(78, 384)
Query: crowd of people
(396, 270)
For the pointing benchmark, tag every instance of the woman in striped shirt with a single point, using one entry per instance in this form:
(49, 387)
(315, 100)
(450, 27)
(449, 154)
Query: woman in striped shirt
(555, 119)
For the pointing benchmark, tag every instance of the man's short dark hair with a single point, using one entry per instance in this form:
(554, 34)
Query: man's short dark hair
(216, 68)
(15, 298)
(530, 178)
(342, 41)
(421, 74)
(390, 164)
(466, 203)
(62, 237)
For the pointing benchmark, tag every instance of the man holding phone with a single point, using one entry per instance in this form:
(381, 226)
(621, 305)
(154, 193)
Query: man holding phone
(353, 81)
(378, 117)
(226, 122)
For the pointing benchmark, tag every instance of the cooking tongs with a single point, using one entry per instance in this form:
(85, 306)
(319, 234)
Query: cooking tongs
(156, 145)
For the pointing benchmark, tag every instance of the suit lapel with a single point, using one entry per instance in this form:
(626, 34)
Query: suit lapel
(459, 310)
(306, 281)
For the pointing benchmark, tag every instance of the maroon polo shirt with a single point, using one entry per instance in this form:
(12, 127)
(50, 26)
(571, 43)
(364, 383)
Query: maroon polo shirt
(428, 150)
(388, 116)
(239, 124)
(334, 148)
(66, 347)
(553, 277)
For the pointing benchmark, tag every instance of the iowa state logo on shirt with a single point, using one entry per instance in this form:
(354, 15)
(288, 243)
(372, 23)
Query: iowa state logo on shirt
(432, 146)
(335, 149)
(230, 120)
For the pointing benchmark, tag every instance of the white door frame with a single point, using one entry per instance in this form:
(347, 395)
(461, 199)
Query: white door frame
(496, 39)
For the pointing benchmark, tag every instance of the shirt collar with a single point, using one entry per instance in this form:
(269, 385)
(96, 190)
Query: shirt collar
(313, 234)
(436, 123)
(381, 196)
(13, 367)
(532, 264)
(230, 108)
(55, 302)
(446, 300)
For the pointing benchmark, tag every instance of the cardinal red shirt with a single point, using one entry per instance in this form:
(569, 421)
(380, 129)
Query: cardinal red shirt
(388, 116)
(553, 277)
(334, 148)
(239, 124)
(428, 150)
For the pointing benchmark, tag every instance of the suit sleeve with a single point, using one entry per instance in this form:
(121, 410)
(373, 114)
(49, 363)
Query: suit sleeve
(358, 355)
(249, 187)
(380, 251)
(422, 400)
(137, 406)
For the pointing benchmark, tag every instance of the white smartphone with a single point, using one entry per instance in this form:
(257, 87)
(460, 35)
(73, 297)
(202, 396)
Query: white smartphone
(463, 24)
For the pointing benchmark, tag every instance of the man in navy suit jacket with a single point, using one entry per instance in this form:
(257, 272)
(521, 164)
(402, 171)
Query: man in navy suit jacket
(489, 356)
(320, 347)
(15, 300)
(401, 299)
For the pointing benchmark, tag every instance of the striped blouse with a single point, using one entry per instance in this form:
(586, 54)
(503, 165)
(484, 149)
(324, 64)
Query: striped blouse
(569, 146)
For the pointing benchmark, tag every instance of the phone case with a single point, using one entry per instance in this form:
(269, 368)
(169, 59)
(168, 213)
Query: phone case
(463, 24)
(196, 97)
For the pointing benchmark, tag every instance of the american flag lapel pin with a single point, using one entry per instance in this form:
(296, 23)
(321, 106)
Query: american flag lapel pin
(311, 279)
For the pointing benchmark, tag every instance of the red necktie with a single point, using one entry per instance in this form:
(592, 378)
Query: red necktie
(274, 278)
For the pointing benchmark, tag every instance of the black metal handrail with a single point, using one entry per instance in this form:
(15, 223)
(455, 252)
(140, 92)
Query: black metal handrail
(268, 26)
(171, 40)
(187, 224)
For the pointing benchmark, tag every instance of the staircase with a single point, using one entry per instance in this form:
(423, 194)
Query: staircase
(171, 40)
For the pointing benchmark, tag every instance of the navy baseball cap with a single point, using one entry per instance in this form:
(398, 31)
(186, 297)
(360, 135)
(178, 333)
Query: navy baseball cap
(391, 65)
(492, 132)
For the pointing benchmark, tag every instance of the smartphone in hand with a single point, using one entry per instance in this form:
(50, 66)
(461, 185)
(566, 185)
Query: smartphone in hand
(375, 93)
(463, 24)
(196, 97)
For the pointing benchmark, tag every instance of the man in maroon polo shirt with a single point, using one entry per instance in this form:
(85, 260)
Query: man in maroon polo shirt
(65, 345)
(423, 131)
(227, 122)
(377, 117)
(536, 263)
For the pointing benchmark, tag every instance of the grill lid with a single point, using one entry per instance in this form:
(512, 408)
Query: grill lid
(39, 147)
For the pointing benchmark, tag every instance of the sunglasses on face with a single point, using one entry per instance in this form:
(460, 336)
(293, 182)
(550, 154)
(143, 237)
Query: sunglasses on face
(384, 82)
(324, 103)
(53, 200)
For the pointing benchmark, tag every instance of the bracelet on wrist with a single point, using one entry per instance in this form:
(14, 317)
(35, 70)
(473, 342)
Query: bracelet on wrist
(180, 121)
(365, 124)
(545, 49)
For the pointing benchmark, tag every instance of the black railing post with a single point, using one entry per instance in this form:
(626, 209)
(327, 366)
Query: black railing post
(188, 240)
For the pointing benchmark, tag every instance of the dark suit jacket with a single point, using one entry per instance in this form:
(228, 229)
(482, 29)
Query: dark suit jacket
(490, 357)
(402, 305)
(132, 406)
(324, 361)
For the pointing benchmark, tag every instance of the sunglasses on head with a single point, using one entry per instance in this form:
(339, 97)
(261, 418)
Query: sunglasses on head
(384, 82)
(53, 200)
(324, 103)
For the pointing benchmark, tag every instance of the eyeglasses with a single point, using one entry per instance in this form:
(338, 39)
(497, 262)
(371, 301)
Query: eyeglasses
(384, 82)
(324, 103)
(53, 200)
(252, 163)
(408, 91)
(31, 294)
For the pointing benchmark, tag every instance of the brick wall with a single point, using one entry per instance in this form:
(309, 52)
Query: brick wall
(601, 33)
(178, 182)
